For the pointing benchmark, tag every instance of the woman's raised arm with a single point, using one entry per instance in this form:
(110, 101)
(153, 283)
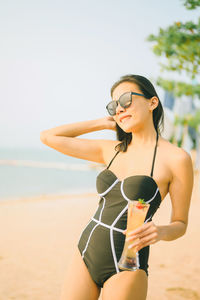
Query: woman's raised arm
(64, 139)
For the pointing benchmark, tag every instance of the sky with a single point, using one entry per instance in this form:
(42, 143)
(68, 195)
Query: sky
(59, 59)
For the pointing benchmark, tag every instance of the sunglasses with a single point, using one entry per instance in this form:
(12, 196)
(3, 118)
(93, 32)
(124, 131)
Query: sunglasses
(125, 101)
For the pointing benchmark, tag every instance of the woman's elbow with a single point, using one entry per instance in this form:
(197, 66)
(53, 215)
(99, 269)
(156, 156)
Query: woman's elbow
(43, 137)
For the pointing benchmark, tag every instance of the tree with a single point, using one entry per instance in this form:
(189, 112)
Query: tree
(191, 4)
(180, 45)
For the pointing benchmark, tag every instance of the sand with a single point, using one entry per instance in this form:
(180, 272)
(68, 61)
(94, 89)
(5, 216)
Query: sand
(38, 236)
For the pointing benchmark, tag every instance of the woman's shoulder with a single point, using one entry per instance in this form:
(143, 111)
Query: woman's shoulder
(175, 155)
(178, 162)
(109, 145)
(109, 149)
(173, 150)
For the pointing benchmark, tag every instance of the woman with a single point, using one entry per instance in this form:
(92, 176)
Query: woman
(143, 165)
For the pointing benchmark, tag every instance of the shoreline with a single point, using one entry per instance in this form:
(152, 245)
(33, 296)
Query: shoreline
(43, 197)
(84, 193)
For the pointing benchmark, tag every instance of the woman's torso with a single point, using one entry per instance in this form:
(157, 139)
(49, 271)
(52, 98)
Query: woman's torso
(139, 162)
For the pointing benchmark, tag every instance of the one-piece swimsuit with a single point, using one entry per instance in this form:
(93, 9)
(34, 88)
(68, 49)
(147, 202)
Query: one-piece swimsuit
(101, 241)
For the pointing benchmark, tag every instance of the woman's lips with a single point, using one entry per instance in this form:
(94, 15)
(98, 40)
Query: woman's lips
(124, 119)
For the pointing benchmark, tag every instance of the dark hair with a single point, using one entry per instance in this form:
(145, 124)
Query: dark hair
(149, 91)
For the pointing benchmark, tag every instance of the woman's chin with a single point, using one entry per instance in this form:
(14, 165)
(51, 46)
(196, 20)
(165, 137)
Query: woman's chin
(127, 130)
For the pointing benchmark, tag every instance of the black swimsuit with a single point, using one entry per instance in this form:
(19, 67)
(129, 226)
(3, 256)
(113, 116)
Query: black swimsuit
(101, 242)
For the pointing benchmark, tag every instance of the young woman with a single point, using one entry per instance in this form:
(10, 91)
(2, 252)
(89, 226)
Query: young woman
(140, 164)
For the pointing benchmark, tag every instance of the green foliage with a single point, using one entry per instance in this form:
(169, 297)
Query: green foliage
(179, 144)
(195, 120)
(191, 4)
(179, 43)
(179, 88)
(189, 119)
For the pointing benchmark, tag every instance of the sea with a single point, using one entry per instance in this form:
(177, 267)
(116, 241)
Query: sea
(29, 172)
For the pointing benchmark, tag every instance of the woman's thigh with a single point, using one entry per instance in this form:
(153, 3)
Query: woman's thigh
(78, 284)
(126, 285)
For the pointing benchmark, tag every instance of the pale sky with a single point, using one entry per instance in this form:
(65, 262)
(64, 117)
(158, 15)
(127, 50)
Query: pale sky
(59, 59)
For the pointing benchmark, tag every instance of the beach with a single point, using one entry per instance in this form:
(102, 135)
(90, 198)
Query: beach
(39, 234)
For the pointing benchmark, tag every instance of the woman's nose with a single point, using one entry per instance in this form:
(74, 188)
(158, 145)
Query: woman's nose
(119, 108)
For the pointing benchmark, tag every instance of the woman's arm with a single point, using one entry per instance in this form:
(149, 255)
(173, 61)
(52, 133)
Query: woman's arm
(63, 139)
(180, 190)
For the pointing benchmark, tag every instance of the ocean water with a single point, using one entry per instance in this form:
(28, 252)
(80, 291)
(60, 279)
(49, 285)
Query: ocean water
(27, 172)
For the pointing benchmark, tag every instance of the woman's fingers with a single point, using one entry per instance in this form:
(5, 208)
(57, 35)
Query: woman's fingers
(139, 229)
(142, 231)
(142, 235)
(151, 241)
(145, 236)
(144, 241)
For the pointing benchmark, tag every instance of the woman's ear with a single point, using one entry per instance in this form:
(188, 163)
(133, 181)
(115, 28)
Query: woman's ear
(153, 103)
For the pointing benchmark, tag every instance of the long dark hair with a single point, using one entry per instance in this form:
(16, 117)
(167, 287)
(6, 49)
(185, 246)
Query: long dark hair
(149, 91)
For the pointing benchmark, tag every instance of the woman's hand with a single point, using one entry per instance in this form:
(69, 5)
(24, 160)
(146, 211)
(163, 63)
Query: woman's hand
(144, 235)
(109, 123)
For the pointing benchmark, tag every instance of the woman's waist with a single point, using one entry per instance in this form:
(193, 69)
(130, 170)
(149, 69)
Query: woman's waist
(119, 226)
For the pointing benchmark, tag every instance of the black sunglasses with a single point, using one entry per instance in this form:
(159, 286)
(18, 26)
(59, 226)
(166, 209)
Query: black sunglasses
(125, 101)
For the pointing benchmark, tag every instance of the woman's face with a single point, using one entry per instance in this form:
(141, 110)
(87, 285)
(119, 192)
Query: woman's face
(137, 114)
